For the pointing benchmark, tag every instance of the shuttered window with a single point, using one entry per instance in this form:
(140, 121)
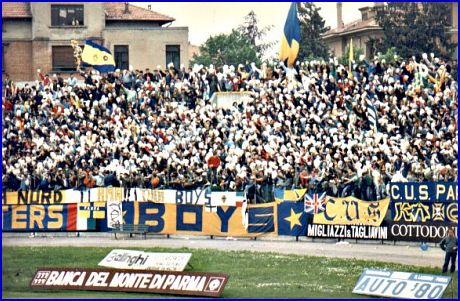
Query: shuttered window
(63, 59)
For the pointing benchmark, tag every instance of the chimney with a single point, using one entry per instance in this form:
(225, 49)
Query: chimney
(339, 15)
(126, 8)
(149, 7)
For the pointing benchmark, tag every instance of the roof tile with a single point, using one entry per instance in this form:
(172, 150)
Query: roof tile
(116, 11)
(16, 10)
(352, 26)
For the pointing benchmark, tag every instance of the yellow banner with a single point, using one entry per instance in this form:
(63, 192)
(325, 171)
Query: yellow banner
(197, 220)
(352, 211)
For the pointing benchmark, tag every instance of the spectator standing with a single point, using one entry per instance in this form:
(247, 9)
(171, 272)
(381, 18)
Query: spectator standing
(449, 244)
(213, 165)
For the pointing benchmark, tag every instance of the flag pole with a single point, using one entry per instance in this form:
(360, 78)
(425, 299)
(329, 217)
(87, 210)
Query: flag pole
(350, 57)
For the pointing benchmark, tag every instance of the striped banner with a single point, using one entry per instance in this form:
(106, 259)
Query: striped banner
(372, 114)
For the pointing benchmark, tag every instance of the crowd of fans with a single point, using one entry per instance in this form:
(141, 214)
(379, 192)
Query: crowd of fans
(306, 126)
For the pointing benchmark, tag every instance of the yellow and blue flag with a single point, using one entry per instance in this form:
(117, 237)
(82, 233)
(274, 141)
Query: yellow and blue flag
(292, 220)
(98, 57)
(290, 41)
(282, 195)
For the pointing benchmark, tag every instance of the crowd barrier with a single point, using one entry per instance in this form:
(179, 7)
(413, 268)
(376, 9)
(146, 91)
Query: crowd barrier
(414, 212)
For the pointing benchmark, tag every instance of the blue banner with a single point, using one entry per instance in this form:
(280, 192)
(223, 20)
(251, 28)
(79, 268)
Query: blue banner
(292, 220)
(424, 192)
(423, 212)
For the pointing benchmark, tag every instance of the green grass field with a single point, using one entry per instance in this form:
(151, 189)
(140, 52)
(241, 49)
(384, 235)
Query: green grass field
(252, 275)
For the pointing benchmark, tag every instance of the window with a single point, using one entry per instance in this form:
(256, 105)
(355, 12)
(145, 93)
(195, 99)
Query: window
(67, 15)
(63, 59)
(173, 55)
(121, 56)
(365, 16)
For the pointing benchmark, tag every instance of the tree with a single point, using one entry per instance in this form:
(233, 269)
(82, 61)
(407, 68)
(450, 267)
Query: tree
(312, 26)
(250, 29)
(226, 49)
(344, 60)
(390, 56)
(415, 28)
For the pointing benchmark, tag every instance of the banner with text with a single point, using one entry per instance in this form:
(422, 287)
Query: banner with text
(249, 220)
(140, 260)
(401, 284)
(117, 194)
(422, 232)
(163, 282)
(352, 211)
(347, 231)
(424, 192)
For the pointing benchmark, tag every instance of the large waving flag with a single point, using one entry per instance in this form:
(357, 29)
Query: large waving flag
(98, 57)
(290, 41)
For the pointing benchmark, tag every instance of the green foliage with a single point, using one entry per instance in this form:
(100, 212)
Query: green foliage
(226, 49)
(390, 56)
(413, 28)
(312, 26)
(344, 60)
(252, 274)
(257, 36)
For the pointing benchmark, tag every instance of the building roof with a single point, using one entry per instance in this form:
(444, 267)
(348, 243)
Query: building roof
(114, 11)
(16, 10)
(355, 26)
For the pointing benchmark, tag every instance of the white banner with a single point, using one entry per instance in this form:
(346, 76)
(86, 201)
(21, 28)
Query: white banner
(200, 196)
(401, 284)
(139, 260)
(227, 99)
(114, 214)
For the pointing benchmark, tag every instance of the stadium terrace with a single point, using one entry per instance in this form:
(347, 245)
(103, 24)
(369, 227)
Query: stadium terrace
(308, 127)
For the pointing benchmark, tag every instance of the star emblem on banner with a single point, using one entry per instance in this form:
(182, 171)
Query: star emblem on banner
(294, 219)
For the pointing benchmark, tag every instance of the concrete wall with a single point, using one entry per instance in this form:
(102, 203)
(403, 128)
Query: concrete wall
(335, 46)
(131, 24)
(16, 30)
(94, 22)
(338, 45)
(29, 43)
(147, 47)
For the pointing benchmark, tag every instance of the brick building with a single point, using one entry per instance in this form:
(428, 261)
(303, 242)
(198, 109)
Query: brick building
(366, 28)
(37, 36)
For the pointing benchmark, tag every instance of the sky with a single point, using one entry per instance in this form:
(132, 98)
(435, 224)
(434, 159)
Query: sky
(205, 19)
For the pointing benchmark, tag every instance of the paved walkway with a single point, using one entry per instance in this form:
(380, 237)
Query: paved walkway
(408, 253)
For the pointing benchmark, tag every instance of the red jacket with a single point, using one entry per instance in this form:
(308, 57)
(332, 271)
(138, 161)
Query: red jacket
(214, 162)
(45, 79)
